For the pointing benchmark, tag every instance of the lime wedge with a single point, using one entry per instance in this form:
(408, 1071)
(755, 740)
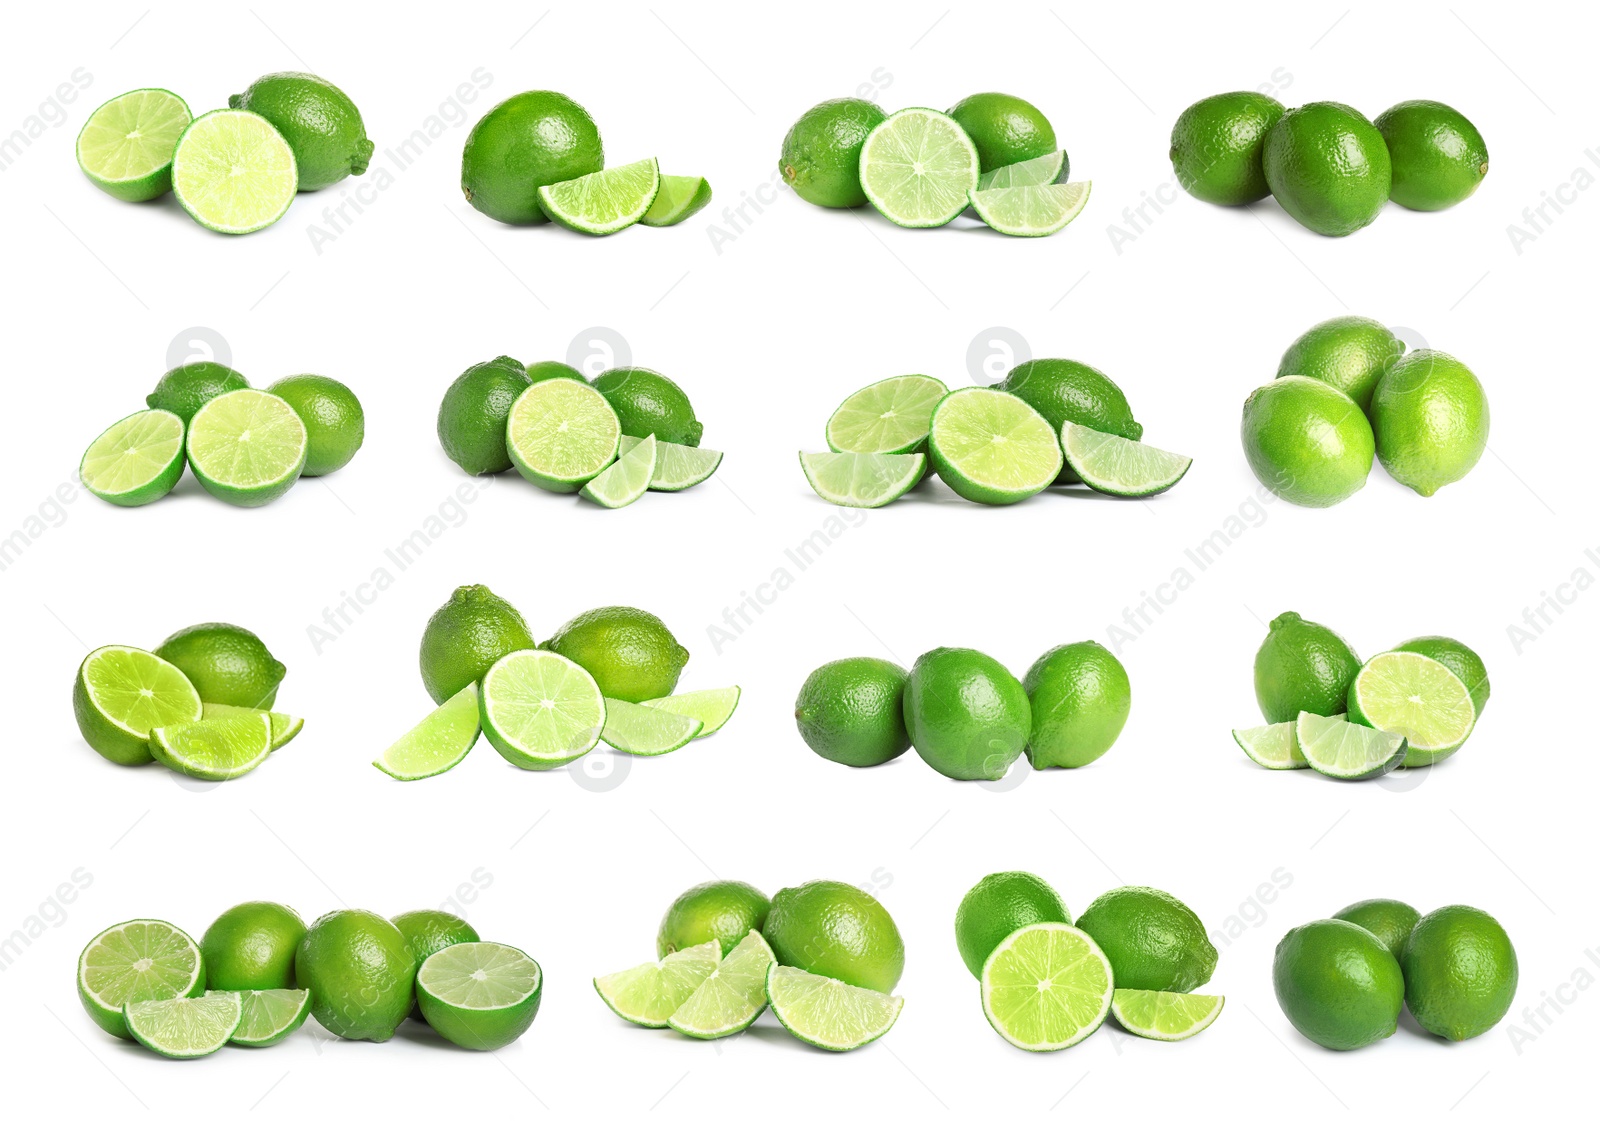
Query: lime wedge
(121, 693)
(137, 460)
(1037, 172)
(126, 145)
(218, 749)
(679, 197)
(887, 416)
(991, 447)
(712, 707)
(626, 480)
(144, 959)
(865, 481)
(1273, 746)
(233, 172)
(1165, 1016)
(247, 447)
(1046, 987)
(918, 167)
(1416, 697)
(269, 1016)
(603, 202)
(1335, 747)
(639, 730)
(733, 996)
(678, 466)
(649, 994)
(827, 1013)
(185, 1027)
(440, 741)
(1114, 465)
(540, 710)
(561, 433)
(284, 726)
(1031, 211)
(480, 995)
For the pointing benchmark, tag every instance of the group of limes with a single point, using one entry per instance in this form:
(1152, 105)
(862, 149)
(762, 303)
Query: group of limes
(607, 674)
(628, 431)
(201, 702)
(259, 971)
(992, 152)
(824, 956)
(1048, 421)
(1328, 166)
(1412, 706)
(235, 170)
(964, 712)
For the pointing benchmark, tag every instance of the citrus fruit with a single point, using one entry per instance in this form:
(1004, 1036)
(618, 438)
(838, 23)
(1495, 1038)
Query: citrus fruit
(185, 1027)
(359, 969)
(649, 404)
(603, 202)
(851, 711)
(992, 447)
(429, 931)
(233, 172)
(630, 652)
(1306, 441)
(1350, 353)
(125, 147)
(712, 707)
(822, 151)
(247, 447)
(135, 961)
(227, 664)
(1460, 972)
(1151, 939)
(251, 946)
(1052, 167)
(1272, 746)
(472, 415)
(1416, 697)
(217, 749)
(137, 460)
(183, 389)
(836, 930)
(1303, 667)
(560, 434)
(1338, 984)
(1438, 156)
(1389, 919)
(828, 1013)
(720, 911)
(891, 415)
(918, 167)
(1079, 697)
(1033, 211)
(335, 424)
(626, 480)
(540, 710)
(120, 693)
(269, 1016)
(1066, 392)
(864, 480)
(1167, 1017)
(284, 726)
(1459, 659)
(479, 995)
(526, 142)
(1217, 144)
(1431, 420)
(1046, 987)
(967, 716)
(678, 466)
(1004, 129)
(733, 996)
(1333, 746)
(680, 197)
(1328, 167)
(649, 994)
(998, 906)
(319, 121)
(438, 742)
(545, 370)
(472, 631)
(638, 730)
(1113, 465)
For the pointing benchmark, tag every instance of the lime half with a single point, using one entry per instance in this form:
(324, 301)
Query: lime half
(1272, 745)
(1165, 1016)
(539, 709)
(145, 959)
(1046, 987)
(137, 460)
(863, 480)
(678, 466)
(603, 202)
(121, 693)
(1037, 172)
(733, 996)
(479, 995)
(219, 749)
(561, 433)
(626, 480)
(247, 447)
(887, 416)
(649, 994)
(639, 730)
(827, 1013)
(918, 167)
(284, 726)
(679, 197)
(1113, 465)
(1031, 211)
(1416, 697)
(269, 1016)
(1333, 746)
(126, 145)
(712, 707)
(233, 172)
(992, 447)
(185, 1027)
(438, 742)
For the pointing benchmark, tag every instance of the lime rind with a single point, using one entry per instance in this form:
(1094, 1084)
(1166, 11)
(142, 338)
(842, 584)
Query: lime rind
(540, 710)
(680, 197)
(626, 480)
(561, 433)
(1037, 172)
(1031, 211)
(126, 146)
(121, 693)
(1272, 746)
(1166, 1017)
(891, 415)
(712, 707)
(918, 168)
(439, 741)
(1339, 748)
(1114, 465)
(992, 447)
(247, 447)
(185, 1027)
(603, 202)
(649, 994)
(1416, 697)
(137, 960)
(732, 997)
(233, 172)
(865, 481)
(641, 730)
(827, 1013)
(137, 460)
(1046, 987)
(480, 995)
(678, 466)
(269, 1016)
(284, 726)
(216, 750)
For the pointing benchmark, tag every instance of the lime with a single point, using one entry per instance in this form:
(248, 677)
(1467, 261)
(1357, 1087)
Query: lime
(1031, 211)
(828, 1013)
(998, 906)
(891, 415)
(603, 202)
(472, 631)
(269, 1016)
(733, 996)
(865, 480)
(650, 404)
(1152, 940)
(125, 147)
(560, 434)
(1004, 129)
(1067, 392)
(233, 172)
(479, 995)
(1460, 972)
(1079, 697)
(321, 124)
(472, 416)
(1328, 167)
(544, 371)
(1431, 420)
(185, 1027)
(1307, 441)
(137, 460)
(247, 447)
(712, 707)
(678, 466)
(1113, 465)
(851, 711)
(649, 994)
(967, 716)
(335, 424)
(1046, 987)
(120, 693)
(183, 389)
(630, 652)
(720, 911)
(1333, 746)
(251, 946)
(1051, 167)
(540, 710)
(1350, 353)
(836, 930)
(918, 167)
(438, 742)
(139, 960)
(626, 480)
(1439, 156)
(1303, 667)
(1272, 746)
(1167, 1017)
(1416, 697)
(992, 447)
(1459, 659)
(228, 665)
(822, 151)
(359, 969)
(1390, 919)
(526, 142)
(680, 197)
(1338, 985)
(429, 931)
(284, 726)
(1217, 144)
(217, 750)
(638, 730)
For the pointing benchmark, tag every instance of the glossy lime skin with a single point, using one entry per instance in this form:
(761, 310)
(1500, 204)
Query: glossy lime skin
(969, 718)
(528, 141)
(1306, 441)
(335, 423)
(1338, 984)
(1350, 353)
(836, 930)
(227, 664)
(1389, 919)
(1217, 144)
(1431, 420)
(183, 389)
(1005, 129)
(648, 403)
(821, 157)
(1460, 970)
(359, 969)
(851, 711)
(721, 911)
(1152, 939)
(1438, 156)
(472, 631)
(1080, 698)
(252, 946)
(1303, 667)
(473, 412)
(998, 906)
(320, 123)
(1328, 167)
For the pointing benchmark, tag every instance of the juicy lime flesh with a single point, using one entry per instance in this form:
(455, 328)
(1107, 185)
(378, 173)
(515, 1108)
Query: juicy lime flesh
(284, 726)
(1333, 746)
(1046, 987)
(480, 975)
(233, 172)
(1416, 697)
(649, 994)
(221, 748)
(440, 741)
(126, 146)
(918, 167)
(712, 707)
(541, 707)
(1037, 172)
(562, 433)
(995, 443)
(866, 480)
(733, 995)
(640, 730)
(138, 691)
(185, 1027)
(145, 959)
(626, 480)
(1123, 467)
(266, 1016)
(247, 441)
(678, 466)
(827, 1013)
(888, 416)
(1273, 746)
(1165, 1016)
(1031, 211)
(680, 197)
(605, 201)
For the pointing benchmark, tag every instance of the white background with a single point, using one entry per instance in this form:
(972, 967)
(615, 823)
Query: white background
(768, 325)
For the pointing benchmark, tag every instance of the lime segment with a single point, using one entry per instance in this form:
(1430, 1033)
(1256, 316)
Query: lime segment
(863, 480)
(918, 167)
(479, 995)
(733, 996)
(440, 741)
(137, 460)
(680, 196)
(247, 447)
(1113, 465)
(640, 730)
(539, 709)
(269, 1016)
(233, 172)
(1046, 987)
(1037, 172)
(887, 416)
(126, 145)
(121, 693)
(561, 433)
(1416, 697)
(1031, 211)
(145, 959)
(1273, 746)
(603, 202)
(1333, 746)
(826, 1013)
(649, 994)
(678, 466)
(284, 726)
(992, 447)
(626, 480)
(219, 749)
(185, 1027)
(1165, 1016)
(712, 707)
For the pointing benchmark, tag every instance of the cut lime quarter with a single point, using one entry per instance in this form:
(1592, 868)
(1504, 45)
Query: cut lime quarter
(233, 172)
(680, 197)
(887, 416)
(137, 460)
(603, 202)
(1416, 697)
(144, 959)
(1037, 172)
(440, 741)
(863, 480)
(1338, 748)
(479, 995)
(1113, 465)
(828, 1013)
(678, 466)
(284, 726)
(1168, 1017)
(712, 707)
(539, 709)
(918, 167)
(561, 433)
(992, 447)
(1031, 211)
(126, 146)
(649, 994)
(218, 749)
(121, 693)
(626, 480)
(1273, 746)
(185, 1027)
(1046, 987)
(640, 730)
(733, 996)
(269, 1016)
(247, 447)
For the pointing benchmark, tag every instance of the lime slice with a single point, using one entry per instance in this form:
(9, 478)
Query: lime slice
(991, 447)
(1046, 987)
(1335, 747)
(603, 202)
(827, 1013)
(121, 693)
(185, 1027)
(1037, 172)
(733, 996)
(440, 741)
(865, 481)
(540, 710)
(1031, 211)
(269, 1016)
(1113, 465)
(219, 749)
(137, 460)
(639, 730)
(918, 167)
(626, 480)
(284, 726)
(126, 145)
(887, 416)
(233, 172)
(1416, 697)
(144, 959)
(679, 197)
(561, 433)
(1165, 1016)
(711, 707)
(247, 447)
(1272, 745)
(649, 994)
(480, 995)
(678, 466)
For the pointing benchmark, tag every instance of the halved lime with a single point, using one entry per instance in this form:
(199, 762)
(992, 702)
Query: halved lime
(247, 447)
(992, 447)
(733, 996)
(1272, 745)
(233, 172)
(863, 480)
(1046, 987)
(918, 167)
(185, 1027)
(1165, 1016)
(887, 416)
(284, 726)
(603, 202)
(1031, 211)
(639, 730)
(561, 433)
(126, 145)
(1335, 747)
(539, 709)
(626, 480)
(711, 707)
(678, 466)
(1037, 172)
(1416, 697)
(142, 959)
(649, 994)
(679, 197)
(438, 742)
(218, 749)
(1114, 465)
(479, 995)
(120, 693)
(827, 1013)
(269, 1016)
(137, 460)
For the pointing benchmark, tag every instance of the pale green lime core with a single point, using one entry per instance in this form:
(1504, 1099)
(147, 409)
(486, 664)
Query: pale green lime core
(126, 145)
(562, 433)
(438, 742)
(136, 460)
(539, 709)
(1046, 987)
(233, 172)
(918, 167)
(1418, 698)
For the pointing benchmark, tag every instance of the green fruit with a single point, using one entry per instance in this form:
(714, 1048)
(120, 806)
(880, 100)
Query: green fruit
(1167, 1017)
(999, 905)
(649, 994)
(992, 447)
(1046, 987)
(711, 707)
(968, 717)
(889, 416)
(540, 710)
(335, 424)
(863, 480)
(140, 960)
(1328, 167)
(137, 460)
(733, 996)
(603, 202)
(359, 969)
(1350, 353)
(822, 151)
(233, 172)
(1079, 697)
(472, 416)
(549, 368)
(1412, 695)
(1303, 667)
(321, 124)
(826, 1013)
(918, 168)
(649, 404)
(427, 932)
(247, 447)
(1041, 171)
(1217, 144)
(1306, 441)
(1067, 392)
(630, 653)
(526, 142)
(284, 727)
(1152, 940)
(721, 911)
(680, 197)
(437, 742)
(561, 434)
(120, 694)
(269, 1016)
(1438, 156)
(1459, 659)
(836, 930)
(1338, 984)
(637, 729)
(1343, 749)
(1460, 972)
(185, 1027)
(1030, 211)
(472, 631)
(1431, 420)
(1004, 129)
(625, 481)
(227, 664)
(480, 995)
(126, 145)
(851, 711)
(252, 946)
(216, 749)
(183, 389)
(1115, 466)
(1272, 746)
(1389, 919)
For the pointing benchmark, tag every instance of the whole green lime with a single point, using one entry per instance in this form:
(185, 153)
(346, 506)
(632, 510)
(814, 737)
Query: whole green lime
(851, 711)
(721, 911)
(1431, 420)
(1306, 441)
(1350, 353)
(1389, 919)
(1004, 129)
(968, 717)
(1303, 667)
(629, 652)
(335, 424)
(427, 932)
(1063, 391)
(1079, 696)
(472, 631)
(650, 404)
(1457, 657)
(1217, 143)
(252, 946)
(822, 152)
(472, 416)
(1460, 972)
(544, 371)
(321, 124)
(227, 665)
(1439, 156)
(836, 930)
(1338, 984)
(528, 141)
(998, 906)
(1151, 938)
(183, 389)
(1328, 167)
(360, 972)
